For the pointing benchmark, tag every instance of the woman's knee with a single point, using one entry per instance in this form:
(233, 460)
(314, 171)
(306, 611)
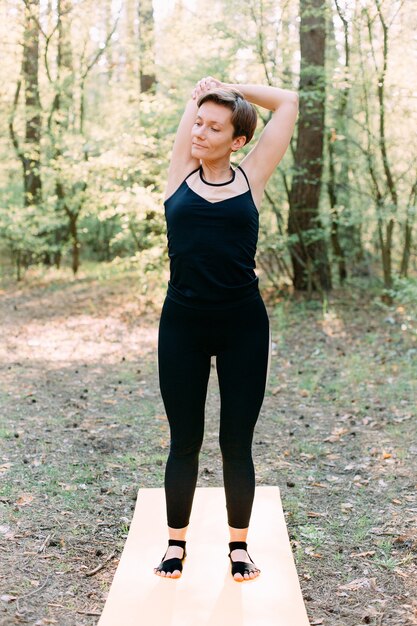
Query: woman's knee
(236, 449)
(181, 449)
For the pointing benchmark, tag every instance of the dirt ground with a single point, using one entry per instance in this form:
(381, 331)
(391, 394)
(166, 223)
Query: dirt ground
(82, 428)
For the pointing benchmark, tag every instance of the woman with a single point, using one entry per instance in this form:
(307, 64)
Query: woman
(213, 306)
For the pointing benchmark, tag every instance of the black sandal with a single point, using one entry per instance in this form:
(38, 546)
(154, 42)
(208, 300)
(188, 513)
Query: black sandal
(170, 565)
(241, 567)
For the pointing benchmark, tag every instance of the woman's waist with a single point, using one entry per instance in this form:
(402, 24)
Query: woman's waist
(214, 298)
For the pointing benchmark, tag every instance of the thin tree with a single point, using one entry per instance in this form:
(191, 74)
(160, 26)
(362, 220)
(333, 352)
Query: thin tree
(308, 247)
(338, 155)
(146, 46)
(408, 230)
(29, 152)
(384, 183)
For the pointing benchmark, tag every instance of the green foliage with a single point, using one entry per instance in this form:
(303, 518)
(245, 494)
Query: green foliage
(404, 291)
(105, 147)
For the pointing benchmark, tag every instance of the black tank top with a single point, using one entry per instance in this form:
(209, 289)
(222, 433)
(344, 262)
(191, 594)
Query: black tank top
(211, 247)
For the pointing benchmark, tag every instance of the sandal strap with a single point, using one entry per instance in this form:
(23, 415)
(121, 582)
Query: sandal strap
(177, 542)
(170, 565)
(238, 545)
(241, 566)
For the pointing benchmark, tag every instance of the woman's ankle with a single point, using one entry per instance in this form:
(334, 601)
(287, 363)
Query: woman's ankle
(177, 533)
(238, 534)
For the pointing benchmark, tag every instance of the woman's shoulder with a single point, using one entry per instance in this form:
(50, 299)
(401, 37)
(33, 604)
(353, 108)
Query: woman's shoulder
(176, 182)
(178, 171)
(255, 185)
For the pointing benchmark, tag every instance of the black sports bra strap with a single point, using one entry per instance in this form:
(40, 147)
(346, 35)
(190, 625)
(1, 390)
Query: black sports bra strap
(188, 175)
(244, 174)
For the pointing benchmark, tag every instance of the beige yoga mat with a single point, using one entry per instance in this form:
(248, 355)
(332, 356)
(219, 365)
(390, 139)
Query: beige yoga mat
(206, 594)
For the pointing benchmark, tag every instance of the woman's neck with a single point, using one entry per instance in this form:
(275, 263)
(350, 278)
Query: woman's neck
(216, 172)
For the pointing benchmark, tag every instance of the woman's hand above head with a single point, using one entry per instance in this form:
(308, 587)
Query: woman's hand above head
(204, 85)
(260, 163)
(182, 162)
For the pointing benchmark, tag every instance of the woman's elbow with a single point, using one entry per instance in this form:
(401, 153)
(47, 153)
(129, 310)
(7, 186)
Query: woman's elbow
(295, 98)
(291, 97)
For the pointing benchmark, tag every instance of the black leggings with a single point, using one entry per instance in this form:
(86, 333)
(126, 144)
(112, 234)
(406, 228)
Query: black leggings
(240, 339)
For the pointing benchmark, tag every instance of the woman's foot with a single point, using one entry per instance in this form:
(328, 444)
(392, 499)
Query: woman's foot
(243, 568)
(175, 554)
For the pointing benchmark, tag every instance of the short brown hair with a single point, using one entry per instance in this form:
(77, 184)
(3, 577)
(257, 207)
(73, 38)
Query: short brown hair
(244, 117)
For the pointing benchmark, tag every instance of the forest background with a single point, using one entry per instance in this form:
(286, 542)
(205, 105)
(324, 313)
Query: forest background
(92, 94)
(90, 98)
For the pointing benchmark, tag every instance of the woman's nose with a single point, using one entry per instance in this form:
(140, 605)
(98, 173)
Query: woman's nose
(200, 132)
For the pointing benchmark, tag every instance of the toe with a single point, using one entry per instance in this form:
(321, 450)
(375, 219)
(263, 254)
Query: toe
(251, 575)
(238, 577)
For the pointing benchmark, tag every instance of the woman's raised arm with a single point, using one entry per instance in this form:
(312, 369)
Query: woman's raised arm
(271, 146)
(182, 162)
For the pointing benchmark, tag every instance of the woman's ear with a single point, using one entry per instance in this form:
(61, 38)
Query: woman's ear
(238, 142)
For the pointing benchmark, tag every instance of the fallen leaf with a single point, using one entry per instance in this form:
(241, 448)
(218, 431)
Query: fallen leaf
(332, 439)
(359, 583)
(336, 434)
(6, 531)
(310, 552)
(407, 540)
(7, 598)
(24, 499)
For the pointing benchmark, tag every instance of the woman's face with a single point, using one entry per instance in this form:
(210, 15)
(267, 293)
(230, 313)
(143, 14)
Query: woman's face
(212, 133)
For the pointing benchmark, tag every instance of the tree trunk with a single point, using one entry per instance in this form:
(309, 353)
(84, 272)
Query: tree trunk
(73, 218)
(147, 46)
(308, 251)
(405, 259)
(384, 187)
(408, 232)
(338, 252)
(345, 236)
(31, 151)
(58, 122)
